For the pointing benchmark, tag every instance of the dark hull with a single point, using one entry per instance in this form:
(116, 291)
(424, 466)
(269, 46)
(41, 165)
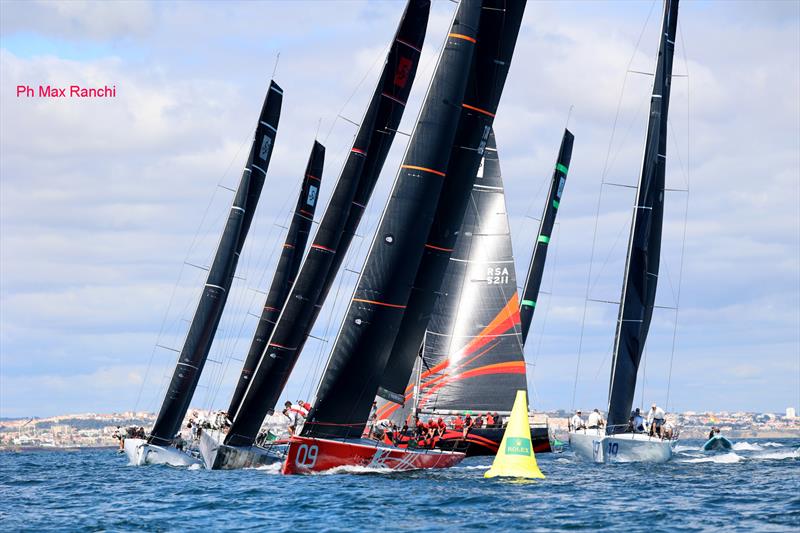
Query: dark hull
(483, 441)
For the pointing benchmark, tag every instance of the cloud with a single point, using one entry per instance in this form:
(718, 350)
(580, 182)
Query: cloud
(100, 200)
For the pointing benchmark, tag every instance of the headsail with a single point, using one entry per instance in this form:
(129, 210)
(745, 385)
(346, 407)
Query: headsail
(288, 265)
(644, 245)
(472, 354)
(499, 26)
(215, 293)
(533, 282)
(373, 317)
(337, 228)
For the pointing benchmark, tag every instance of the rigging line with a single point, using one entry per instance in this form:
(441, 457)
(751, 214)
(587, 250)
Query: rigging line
(685, 215)
(622, 91)
(597, 213)
(275, 68)
(607, 259)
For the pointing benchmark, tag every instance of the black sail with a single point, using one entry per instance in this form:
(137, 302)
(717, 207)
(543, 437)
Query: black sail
(472, 357)
(499, 26)
(533, 282)
(212, 302)
(644, 245)
(288, 265)
(337, 228)
(372, 321)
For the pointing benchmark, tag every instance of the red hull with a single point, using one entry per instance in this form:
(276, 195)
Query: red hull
(307, 455)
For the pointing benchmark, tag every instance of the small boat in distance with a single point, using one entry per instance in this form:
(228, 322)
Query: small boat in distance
(716, 442)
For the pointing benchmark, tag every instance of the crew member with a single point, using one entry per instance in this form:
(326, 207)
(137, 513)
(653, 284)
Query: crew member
(595, 420)
(637, 422)
(294, 416)
(489, 420)
(458, 423)
(577, 421)
(655, 419)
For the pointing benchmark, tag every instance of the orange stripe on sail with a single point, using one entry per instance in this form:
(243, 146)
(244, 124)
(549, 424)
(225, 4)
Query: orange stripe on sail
(396, 306)
(462, 36)
(432, 247)
(425, 169)
(478, 109)
(511, 367)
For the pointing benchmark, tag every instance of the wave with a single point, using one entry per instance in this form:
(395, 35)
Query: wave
(747, 447)
(679, 448)
(727, 458)
(777, 455)
(355, 470)
(195, 467)
(773, 444)
(274, 468)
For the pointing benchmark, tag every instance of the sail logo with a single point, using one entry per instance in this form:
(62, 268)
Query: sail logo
(266, 144)
(402, 72)
(518, 446)
(480, 168)
(497, 275)
(484, 140)
(561, 183)
(311, 199)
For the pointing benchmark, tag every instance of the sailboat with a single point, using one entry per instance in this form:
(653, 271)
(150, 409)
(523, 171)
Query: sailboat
(288, 265)
(161, 445)
(615, 442)
(472, 360)
(274, 364)
(409, 254)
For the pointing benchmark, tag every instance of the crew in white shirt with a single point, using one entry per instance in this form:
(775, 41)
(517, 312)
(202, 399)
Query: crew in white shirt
(595, 420)
(655, 419)
(577, 421)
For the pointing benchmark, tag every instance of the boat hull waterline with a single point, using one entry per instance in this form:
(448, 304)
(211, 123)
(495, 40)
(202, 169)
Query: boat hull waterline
(594, 445)
(219, 456)
(311, 455)
(140, 453)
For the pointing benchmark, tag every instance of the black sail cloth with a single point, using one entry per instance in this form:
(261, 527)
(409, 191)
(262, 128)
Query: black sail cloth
(499, 26)
(644, 245)
(533, 282)
(362, 347)
(342, 216)
(472, 352)
(215, 293)
(288, 265)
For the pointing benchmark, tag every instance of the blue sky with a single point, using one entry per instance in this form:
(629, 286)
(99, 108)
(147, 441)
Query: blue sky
(101, 200)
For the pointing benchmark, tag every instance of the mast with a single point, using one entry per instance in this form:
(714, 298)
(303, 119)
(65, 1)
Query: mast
(644, 244)
(220, 276)
(534, 280)
(362, 347)
(337, 228)
(499, 26)
(288, 265)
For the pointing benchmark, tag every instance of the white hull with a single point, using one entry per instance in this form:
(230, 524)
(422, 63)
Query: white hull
(594, 445)
(140, 453)
(219, 456)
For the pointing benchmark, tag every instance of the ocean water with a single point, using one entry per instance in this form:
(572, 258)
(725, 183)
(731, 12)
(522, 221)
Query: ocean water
(755, 487)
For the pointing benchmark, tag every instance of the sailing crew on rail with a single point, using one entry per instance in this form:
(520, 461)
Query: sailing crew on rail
(294, 415)
(655, 419)
(595, 420)
(577, 421)
(636, 422)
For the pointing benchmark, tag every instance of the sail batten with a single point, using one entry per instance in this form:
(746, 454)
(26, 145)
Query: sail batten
(644, 244)
(286, 271)
(338, 226)
(209, 309)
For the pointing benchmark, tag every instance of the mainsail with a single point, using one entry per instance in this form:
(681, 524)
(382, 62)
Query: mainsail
(644, 245)
(373, 317)
(472, 355)
(212, 302)
(499, 26)
(337, 228)
(533, 282)
(288, 265)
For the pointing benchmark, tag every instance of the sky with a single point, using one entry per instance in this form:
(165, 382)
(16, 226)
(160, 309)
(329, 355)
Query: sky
(106, 203)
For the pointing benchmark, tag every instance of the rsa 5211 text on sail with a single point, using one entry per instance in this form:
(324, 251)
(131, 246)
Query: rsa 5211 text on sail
(70, 91)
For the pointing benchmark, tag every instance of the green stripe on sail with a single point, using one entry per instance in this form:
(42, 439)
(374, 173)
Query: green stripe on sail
(544, 238)
(529, 303)
(561, 167)
(555, 204)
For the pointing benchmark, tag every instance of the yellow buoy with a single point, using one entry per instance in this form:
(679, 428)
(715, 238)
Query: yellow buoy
(515, 457)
